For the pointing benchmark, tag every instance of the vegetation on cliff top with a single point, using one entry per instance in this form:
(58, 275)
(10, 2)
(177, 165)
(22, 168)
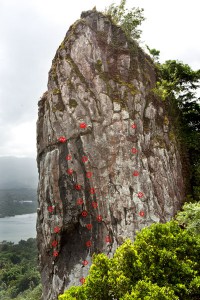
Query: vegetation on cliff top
(128, 20)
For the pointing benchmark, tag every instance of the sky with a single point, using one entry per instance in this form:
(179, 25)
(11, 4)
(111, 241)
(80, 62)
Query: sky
(32, 30)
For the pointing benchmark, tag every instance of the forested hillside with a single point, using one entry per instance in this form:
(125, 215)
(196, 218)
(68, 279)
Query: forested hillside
(17, 201)
(19, 276)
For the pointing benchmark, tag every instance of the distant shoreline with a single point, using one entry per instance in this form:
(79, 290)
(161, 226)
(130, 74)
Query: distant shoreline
(8, 216)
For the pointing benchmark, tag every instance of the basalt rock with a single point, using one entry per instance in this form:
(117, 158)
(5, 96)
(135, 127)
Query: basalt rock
(109, 162)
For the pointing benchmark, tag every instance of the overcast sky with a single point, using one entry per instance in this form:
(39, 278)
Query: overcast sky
(32, 30)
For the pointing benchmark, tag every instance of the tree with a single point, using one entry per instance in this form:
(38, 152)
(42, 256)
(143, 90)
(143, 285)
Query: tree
(154, 54)
(177, 85)
(181, 84)
(129, 20)
(162, 263)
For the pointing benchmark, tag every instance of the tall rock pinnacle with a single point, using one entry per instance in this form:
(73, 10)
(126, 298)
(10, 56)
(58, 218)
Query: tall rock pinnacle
(107, 156)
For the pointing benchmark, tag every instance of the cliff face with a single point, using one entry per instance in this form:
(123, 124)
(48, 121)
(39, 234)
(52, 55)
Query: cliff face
(107, 157)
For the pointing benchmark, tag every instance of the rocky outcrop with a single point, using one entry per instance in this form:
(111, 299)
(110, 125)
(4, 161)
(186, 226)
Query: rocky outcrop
(107, 155)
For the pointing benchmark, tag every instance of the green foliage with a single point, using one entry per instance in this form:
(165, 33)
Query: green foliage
(162, 263)
(31, 294)
(177, 85)
(97, 282)
(129, 20)
(19, 276)
(154, 54)
(182, 85)
(146, 290)
(189, 217)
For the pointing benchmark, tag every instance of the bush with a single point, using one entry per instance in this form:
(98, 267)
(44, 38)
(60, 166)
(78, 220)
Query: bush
(145, 290)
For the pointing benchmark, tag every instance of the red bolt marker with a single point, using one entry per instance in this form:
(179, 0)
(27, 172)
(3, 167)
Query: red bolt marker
(134, 126)
(70, 171)
(140, 195)
(57, 229)
(89, 226)
(77, 187)
(141, 213)
(50, 209)
(108, 239)
(88, 174)
(99, 218)
(94, 204)
(92, 191)
(84, 213)
(135, 173)
(85, 262)
(62, 139)
(88, 244)
(82, 280)
(55, 253)
(54, 243)
(68, 157)
(83, 125)
(134, 150)
(79, 201)
(84, 159)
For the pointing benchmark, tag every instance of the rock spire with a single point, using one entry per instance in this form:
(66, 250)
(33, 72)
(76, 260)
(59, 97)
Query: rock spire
(108, 159)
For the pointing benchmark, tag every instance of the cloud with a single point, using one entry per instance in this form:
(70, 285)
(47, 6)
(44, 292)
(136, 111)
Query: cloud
(31, 31)
(19, 141)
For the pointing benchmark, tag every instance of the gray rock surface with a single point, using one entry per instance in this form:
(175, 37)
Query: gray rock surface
(119, 168)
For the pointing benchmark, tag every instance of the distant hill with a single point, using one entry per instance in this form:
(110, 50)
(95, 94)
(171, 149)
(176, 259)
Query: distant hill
(18, 173)
(17, 201)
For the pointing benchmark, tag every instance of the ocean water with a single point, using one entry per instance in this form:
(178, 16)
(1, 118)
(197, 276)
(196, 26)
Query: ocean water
(21, 227)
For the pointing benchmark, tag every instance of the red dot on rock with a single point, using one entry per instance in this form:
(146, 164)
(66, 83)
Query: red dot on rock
(79, 201)
(77, 187)
(134, 150)
(84, 213)
(82, 280)
(140, 195)
(134, 126)
(135, 173)
(62, 139)
(55, 253)
(68, 157)
(108, 239)
(99, 218)
(94, 204)
(85, 262)
(141, 213)
(89, 226)
(54, 244)
(92, 191)
(57, 229)
(84, 159)
(70, 171)
(88, 244)
(83, 125)
(89, 174)
(50, 209)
